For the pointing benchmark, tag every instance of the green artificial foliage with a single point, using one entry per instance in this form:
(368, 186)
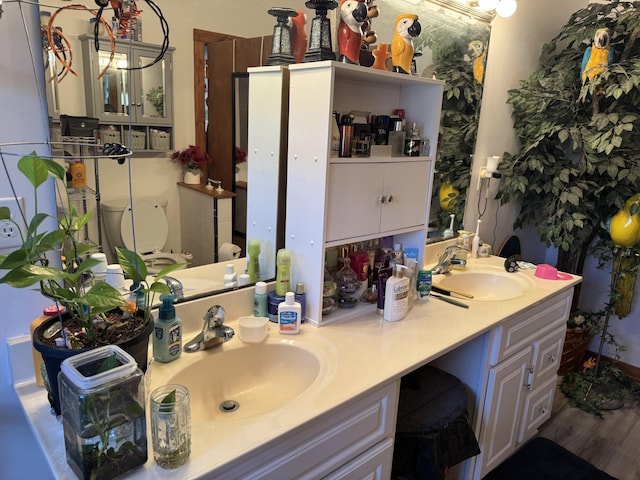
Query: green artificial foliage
(580, 144)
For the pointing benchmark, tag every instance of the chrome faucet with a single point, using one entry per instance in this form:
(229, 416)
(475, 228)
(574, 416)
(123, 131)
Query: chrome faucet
(214, 332)
(447, 259)
(175, 287)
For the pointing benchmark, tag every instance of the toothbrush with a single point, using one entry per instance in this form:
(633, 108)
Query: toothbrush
(448, 232)
(475, 243)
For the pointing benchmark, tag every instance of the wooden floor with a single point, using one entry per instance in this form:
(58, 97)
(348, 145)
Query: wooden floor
(612, 443)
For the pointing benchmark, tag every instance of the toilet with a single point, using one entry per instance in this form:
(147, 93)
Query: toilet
(151, 230)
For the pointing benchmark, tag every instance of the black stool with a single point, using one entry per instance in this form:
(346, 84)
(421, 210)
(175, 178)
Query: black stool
(433, 431)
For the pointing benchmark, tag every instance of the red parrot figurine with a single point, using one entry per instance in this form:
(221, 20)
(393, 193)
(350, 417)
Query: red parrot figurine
(299, 36)
(352, 15)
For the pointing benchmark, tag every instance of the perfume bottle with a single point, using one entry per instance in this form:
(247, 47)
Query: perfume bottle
(348, 285)
(412, 143)
(396, 136)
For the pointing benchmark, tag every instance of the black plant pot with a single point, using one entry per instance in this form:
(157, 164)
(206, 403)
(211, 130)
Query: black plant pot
(137, 347)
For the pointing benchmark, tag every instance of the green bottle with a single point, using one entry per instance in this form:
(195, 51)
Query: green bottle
(253, 264)
(283, 272)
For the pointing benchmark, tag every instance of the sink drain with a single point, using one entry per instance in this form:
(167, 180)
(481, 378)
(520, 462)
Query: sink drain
(229, 406)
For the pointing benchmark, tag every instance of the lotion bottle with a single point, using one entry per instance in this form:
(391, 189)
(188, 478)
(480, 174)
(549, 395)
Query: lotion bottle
(289, 313)
(230, 278)
(396, 298)
(283, 272)
(260, 300)
(253, 265)
(167, 335)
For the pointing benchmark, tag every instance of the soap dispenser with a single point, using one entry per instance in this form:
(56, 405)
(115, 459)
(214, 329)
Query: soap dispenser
(167, 336)
(230, 278)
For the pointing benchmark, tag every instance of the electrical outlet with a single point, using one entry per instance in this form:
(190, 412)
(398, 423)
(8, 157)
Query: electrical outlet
(10, 233)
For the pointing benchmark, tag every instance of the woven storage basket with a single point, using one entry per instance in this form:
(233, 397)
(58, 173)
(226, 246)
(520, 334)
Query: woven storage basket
(575, 347)
(160, 140)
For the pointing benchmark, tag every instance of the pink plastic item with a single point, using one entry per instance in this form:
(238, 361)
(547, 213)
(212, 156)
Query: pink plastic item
(550, 273)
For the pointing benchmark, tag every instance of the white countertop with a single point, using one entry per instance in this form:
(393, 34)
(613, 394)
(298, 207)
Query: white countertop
(370, 352)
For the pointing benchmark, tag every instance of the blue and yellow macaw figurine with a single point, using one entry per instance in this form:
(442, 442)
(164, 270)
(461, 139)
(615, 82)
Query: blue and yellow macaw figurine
(598, 56)
(477, 56)
(406, 28)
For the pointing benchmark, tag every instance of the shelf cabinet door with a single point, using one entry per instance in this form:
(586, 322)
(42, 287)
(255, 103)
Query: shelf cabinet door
(354, 200)
(405, 189)
(153, 99)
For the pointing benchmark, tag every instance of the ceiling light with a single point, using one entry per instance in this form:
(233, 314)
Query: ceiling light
(488, 4)
(506, 8)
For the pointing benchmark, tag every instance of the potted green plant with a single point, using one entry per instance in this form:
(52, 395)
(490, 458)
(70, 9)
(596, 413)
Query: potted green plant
(96, 313)
(579, 138)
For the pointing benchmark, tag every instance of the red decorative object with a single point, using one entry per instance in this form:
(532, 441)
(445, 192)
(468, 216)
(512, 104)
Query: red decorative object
(191, 158)
(241, 156)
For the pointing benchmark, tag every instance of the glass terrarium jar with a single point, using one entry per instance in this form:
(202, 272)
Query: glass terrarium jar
(103, 415)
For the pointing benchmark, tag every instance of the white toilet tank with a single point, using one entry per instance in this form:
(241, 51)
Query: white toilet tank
(151, 226)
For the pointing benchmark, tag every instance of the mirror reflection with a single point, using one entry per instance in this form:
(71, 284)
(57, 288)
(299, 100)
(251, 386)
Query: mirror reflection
(444, 47)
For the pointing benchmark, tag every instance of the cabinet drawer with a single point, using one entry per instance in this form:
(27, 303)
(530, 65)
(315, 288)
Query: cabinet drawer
(374, 464)
(528, 326)
(321, 446)
(546, 355)
(537, 409)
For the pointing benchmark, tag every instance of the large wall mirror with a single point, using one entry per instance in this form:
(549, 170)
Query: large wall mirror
(445, 46)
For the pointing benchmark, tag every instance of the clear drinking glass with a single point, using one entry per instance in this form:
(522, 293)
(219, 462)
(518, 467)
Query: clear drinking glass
(170, 425)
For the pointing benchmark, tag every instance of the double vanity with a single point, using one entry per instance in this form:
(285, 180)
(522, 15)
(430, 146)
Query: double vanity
(322, 404)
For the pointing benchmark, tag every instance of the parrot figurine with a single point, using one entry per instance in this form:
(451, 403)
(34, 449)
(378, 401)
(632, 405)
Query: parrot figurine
(406, 28)
(477, 56)
(298, 36)
(598, 56)
(353, 13)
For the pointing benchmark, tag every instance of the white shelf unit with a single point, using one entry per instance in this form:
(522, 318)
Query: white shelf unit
(334, 201)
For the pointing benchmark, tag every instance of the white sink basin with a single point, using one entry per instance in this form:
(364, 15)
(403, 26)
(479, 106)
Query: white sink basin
(486, 283)
(236, 380)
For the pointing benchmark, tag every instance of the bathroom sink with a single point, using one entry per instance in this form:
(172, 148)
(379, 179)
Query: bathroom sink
(486, 283)
(237, 380)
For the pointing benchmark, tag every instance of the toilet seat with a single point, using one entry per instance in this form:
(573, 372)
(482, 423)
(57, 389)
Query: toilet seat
(156, 261)
(151, 227)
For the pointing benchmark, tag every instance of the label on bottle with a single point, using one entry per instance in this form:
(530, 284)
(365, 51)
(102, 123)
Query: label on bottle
(412, 147)
(288, 321)
(174, 340)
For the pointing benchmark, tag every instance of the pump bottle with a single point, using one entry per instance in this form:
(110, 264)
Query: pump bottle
(167, 335)
(396, 298)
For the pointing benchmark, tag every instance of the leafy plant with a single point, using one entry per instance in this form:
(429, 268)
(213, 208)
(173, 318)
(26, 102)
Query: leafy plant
(156, 97)
(579, 159)
(460, 114)
(70, 285)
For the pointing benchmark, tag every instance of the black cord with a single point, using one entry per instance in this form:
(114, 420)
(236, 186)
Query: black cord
(165, 41)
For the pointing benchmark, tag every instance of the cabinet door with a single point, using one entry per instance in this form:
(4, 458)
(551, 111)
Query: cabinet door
(152, 100)
(354, 200)
(405, 193)
(506, 389)
(537, 409)
(111, 98)
(374, 464)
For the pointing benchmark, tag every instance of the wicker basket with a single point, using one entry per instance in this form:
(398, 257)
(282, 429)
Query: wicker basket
(573, 352)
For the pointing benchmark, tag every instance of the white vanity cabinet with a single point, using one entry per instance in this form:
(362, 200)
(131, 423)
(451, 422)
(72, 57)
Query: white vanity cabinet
(333, 201)
(523, 360)
(353, 441)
